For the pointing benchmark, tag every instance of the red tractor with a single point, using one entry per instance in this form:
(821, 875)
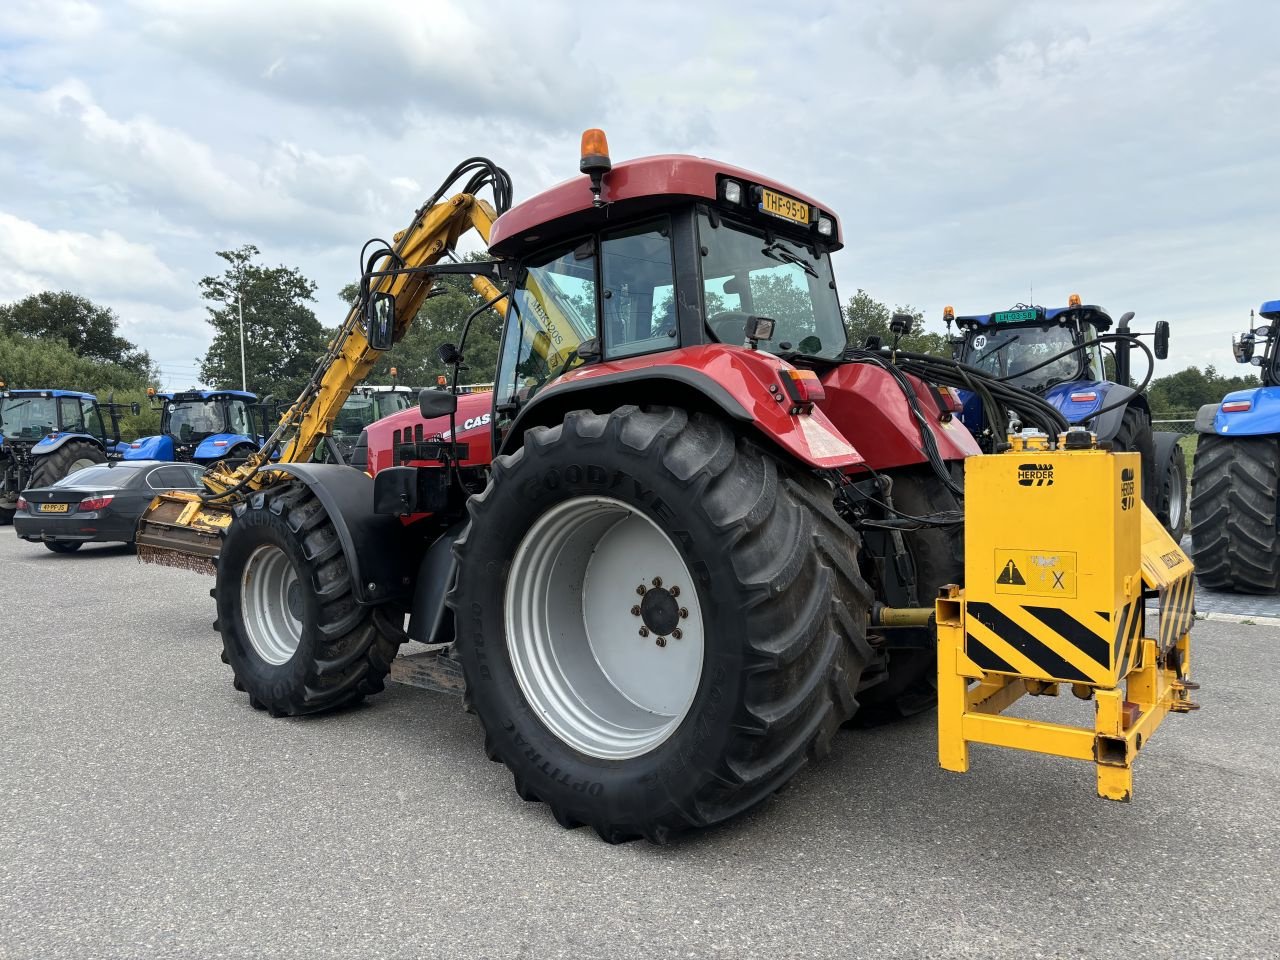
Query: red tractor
(661, 548)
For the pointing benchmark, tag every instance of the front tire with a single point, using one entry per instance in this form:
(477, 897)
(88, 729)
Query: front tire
(1171, 485)
(49, 468)
(569, 570)
(295, 638)
(1234, 540)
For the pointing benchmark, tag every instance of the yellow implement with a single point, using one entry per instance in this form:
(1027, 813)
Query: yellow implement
(1061, 556)
(186, 529)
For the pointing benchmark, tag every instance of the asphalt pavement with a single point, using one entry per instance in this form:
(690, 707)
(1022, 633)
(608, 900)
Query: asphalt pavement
(147, 811)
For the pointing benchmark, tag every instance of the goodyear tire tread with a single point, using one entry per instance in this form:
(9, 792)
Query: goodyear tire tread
(792, 621)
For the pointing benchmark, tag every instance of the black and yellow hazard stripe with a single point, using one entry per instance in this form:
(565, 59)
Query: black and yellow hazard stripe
(1177, 610)
(1128, 635)
(1043, 643)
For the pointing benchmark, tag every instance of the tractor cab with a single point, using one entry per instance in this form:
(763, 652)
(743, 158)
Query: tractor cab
(368, 404)
(30, 415)
(662, 256)
(202, 426)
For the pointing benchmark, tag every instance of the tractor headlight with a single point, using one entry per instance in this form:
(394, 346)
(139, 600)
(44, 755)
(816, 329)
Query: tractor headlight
(731, 190)
(826, 226)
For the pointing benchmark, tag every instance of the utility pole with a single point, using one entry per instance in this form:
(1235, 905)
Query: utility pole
(244, 380)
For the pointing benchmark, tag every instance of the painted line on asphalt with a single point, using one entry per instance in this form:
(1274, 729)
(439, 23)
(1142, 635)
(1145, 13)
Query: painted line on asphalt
(1250, 619)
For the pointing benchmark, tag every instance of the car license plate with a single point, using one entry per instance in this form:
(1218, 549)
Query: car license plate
(788, 208)
(54, 507)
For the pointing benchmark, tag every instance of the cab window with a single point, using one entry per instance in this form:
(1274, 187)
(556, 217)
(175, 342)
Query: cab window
(70, 415)
(92, 417)
(552, 311)
(637, 304)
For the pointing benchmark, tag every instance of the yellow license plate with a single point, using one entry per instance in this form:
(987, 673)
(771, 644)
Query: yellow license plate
(788, 208)
(54, 507)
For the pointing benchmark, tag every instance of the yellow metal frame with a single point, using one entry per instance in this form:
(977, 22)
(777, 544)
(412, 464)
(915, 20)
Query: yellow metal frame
(1084, 624)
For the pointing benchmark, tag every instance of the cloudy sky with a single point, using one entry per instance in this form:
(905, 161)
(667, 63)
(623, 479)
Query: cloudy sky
(1129, 151)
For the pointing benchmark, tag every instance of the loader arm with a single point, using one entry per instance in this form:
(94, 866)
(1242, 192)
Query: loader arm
(185, 529)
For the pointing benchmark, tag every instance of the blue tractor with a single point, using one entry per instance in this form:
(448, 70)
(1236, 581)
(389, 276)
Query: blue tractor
(47, 434)
(203, 426)
(1062, 353)
(1235, 478)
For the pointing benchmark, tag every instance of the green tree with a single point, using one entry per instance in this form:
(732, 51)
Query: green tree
(282, 337)
(866, 317)
(88, 329)
(1181, 394)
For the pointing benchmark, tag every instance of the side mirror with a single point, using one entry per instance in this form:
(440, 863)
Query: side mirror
(436, 403)
(900, 324)
(380, 320)
(1242, 347)
(448, 354)
(1161, 344)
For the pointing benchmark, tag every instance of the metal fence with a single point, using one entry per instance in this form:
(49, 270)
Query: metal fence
(1184, 427)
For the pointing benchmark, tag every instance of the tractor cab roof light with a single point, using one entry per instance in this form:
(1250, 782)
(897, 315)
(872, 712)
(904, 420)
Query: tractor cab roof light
(731, 190)
(826, 226)
(1073, 300)
(595, 161)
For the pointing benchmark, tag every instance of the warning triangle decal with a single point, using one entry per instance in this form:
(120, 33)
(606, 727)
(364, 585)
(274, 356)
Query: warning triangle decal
(1011, 575)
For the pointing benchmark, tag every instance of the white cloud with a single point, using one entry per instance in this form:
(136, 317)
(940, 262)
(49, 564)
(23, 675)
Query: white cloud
(103, 264)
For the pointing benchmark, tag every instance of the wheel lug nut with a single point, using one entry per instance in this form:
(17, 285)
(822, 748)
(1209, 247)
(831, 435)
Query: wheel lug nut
(674, 591)
(684, 613)
(635, 611)
(657, 581)
(644, 631)
(640, 589)
(677, 633)
(661, 641)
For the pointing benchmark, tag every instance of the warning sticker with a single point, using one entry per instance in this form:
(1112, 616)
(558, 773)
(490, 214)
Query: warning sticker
(1036, 573)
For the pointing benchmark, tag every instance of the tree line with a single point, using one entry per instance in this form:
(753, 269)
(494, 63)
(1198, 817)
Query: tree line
(65, 341)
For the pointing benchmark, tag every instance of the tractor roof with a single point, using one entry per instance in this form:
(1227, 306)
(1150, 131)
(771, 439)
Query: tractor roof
(52, 393)
(210, 395)
(1270, 310)
(665, 175)
(1033, 316)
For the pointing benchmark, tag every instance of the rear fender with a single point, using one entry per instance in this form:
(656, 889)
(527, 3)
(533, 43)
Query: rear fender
(731, 381)
(51, 442)
(150, 448)
(1107, 425)
(1262, 418)
(218, 446)
(380, 552)
(868, 406)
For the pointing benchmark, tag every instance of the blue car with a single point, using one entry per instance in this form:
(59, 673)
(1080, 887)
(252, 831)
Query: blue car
(47, 434)
(203, 426)
(1236, 473)
(1058, 353)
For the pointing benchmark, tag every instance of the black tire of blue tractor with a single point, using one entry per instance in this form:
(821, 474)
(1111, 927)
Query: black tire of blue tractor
(49, 468)
(1172, 478)
(1135, 436)
(785, 618)
(1234, 540)
(344, 653)
(911, 686)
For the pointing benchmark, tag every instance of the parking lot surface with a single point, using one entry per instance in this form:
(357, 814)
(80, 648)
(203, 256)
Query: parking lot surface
(147, 811)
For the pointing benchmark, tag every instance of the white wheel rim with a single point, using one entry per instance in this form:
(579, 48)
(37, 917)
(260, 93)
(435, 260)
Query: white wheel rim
(271, 604)
(584, 641)
(81, 464)
(1177, 496)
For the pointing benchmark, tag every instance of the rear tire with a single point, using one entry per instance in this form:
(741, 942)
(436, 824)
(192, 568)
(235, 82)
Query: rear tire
(1234, 542)
(295, 638)
(1171, 486)
(780, 611)
(62, 546)
(75, 455)
(911, 686)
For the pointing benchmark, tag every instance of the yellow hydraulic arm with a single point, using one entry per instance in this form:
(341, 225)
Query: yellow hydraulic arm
(185, 529)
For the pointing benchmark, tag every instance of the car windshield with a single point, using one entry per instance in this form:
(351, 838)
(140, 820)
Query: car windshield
(1009, 351)
(28, 416)
(193, 419)
(99, 477)
(747, 273)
